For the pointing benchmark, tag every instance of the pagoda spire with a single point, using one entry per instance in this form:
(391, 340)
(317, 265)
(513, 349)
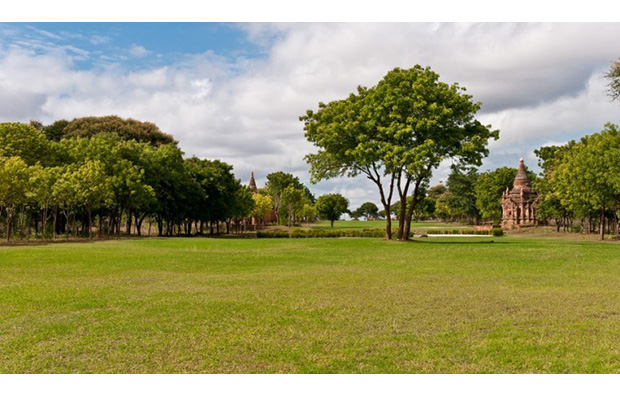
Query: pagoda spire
(522, 181)
(252, 183)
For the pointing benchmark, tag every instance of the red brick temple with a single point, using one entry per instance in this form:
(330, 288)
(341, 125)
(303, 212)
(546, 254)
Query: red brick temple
(519, 203)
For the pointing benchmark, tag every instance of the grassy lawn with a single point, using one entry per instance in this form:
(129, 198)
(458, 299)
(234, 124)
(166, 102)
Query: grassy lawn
(311, 305)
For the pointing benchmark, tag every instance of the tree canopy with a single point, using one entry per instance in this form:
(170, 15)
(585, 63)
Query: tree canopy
(107, 175)
(127, 129)
(331, 206)
(396, 133)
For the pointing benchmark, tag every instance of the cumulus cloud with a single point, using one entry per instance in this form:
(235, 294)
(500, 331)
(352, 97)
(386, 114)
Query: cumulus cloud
(537, 82)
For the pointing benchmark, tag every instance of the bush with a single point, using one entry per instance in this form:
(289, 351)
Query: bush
(280, 234)
(323, 233)
(493, 232)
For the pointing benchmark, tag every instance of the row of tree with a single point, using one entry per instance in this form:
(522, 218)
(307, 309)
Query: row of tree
(581, 181)
(467, 196)
(397, 132)
(107, 173)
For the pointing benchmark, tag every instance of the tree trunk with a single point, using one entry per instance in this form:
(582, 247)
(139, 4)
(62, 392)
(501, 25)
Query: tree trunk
(403, 212)
(128, 221)
(54, 223)
(332, 223)
(160, 226)
(9, 220)
(414, 202)
(602, 224)
(90, 224)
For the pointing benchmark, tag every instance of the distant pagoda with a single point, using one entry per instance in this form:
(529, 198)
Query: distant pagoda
(519, 203)
(252, 183)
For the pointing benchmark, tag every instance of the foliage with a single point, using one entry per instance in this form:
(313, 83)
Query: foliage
(24, 141)
(277, 184)
(492, 232)
(263, 204)
(127, 129)
(367, 210)
(112, 178)
(489, 189)
(587, 178)
(462, 198)
(331, 206)
(396, 134)
(292, 203)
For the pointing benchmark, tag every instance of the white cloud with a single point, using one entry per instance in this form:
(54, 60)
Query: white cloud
(537, 82)
(138, 51)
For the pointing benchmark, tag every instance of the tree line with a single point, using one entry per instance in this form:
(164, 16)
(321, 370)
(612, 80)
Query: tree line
(106, 174)
(398, 131)
(579, 189)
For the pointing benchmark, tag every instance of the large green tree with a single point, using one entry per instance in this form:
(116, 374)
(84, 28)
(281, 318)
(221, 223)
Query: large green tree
(396, 133)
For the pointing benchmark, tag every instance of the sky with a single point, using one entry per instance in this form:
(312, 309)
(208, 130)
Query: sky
(235, 91)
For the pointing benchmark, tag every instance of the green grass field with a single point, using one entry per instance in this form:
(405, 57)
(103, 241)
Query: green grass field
(311, 306)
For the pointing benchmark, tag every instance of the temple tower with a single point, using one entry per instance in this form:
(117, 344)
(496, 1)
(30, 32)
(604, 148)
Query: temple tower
(519, 203)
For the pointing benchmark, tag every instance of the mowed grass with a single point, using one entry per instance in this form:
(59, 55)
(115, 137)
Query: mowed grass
(311, 306)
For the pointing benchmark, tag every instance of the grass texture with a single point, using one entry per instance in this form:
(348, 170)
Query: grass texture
(440, 305)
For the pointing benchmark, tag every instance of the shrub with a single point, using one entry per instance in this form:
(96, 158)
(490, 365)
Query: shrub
(279, 234)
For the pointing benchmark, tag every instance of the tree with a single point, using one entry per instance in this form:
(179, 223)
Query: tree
(613, 75)
(489, 189)
(396, 134)
(14, 176)
(462, 198)
(309, 212)
(276, 184)
(243, 203)
(56, 130)
(292, 202)
(586, 178)
(331, 206)
(263, 204)
(127, 129)
(368, 210)
(25, 141)
(92, 188)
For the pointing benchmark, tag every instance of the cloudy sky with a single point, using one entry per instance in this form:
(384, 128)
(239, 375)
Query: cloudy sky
(235, 91)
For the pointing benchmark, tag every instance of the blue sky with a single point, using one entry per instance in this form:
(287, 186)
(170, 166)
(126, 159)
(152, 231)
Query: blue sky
(235, 91)
(135, 45)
